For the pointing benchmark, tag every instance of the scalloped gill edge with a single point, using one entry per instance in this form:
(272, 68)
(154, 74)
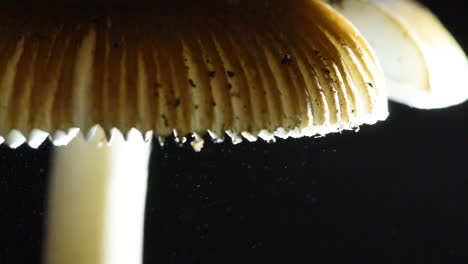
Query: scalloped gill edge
(36, 137)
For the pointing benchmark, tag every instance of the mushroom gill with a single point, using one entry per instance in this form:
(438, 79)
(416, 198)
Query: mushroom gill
(289, 68)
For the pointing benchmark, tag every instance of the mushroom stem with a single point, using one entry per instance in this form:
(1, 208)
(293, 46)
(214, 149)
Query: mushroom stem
(97, 200)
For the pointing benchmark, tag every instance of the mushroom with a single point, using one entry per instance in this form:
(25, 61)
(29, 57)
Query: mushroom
(423, 64)
(247, 69)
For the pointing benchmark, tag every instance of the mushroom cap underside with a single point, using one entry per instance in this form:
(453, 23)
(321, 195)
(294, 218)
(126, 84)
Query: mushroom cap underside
(289, 68)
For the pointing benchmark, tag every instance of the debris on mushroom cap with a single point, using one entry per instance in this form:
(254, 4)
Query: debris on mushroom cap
(423, 64)
(292, 68)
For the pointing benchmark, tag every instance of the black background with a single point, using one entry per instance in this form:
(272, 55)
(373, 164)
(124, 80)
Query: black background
(396, 192)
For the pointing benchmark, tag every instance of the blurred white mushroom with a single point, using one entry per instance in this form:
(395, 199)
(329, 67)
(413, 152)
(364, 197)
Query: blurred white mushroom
(424, 66)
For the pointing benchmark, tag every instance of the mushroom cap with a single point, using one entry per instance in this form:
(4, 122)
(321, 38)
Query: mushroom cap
(423, 64)
(250, 68)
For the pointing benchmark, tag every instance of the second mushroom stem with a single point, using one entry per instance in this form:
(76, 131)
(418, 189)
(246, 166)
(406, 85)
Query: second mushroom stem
(97, 198)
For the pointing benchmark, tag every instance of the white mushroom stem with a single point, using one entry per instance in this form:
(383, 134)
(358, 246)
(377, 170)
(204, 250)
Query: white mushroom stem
(97, 200)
